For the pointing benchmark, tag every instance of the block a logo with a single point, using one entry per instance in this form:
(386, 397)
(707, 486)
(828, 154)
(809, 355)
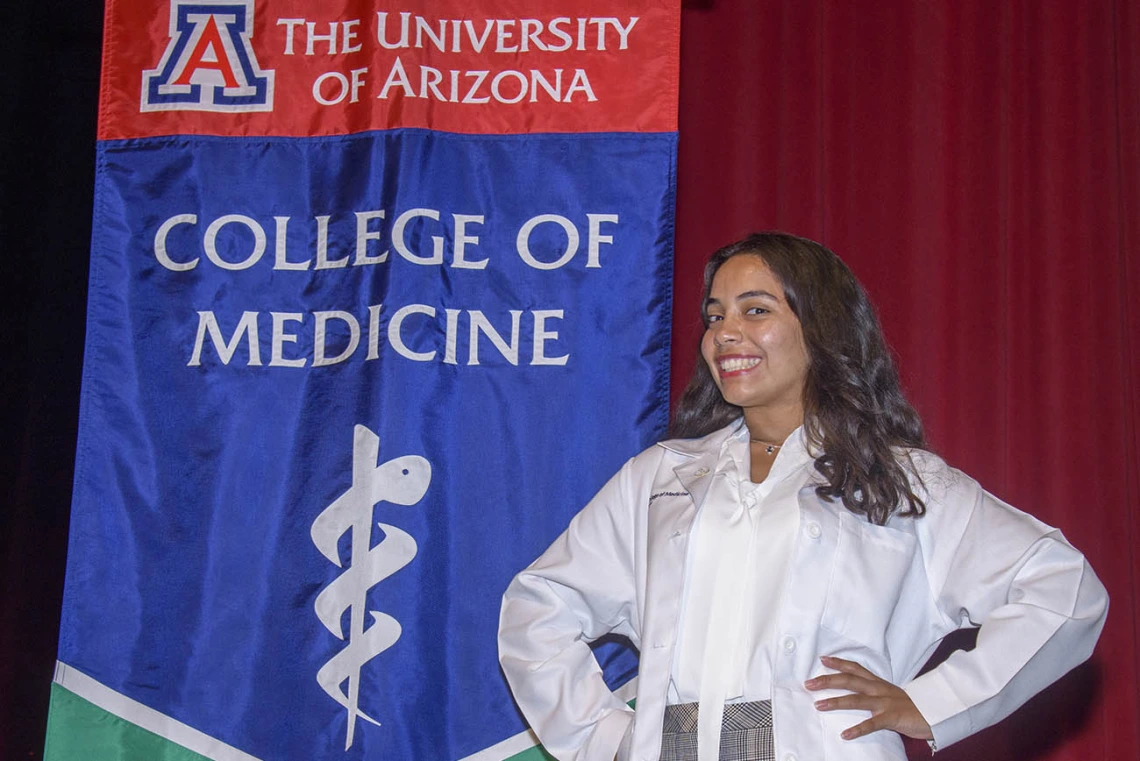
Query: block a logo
(209, 64)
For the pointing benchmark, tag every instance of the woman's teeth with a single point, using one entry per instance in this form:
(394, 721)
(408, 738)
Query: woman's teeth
(736, 364)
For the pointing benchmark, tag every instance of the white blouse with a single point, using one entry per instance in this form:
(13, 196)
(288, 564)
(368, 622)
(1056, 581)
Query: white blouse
(735, 568)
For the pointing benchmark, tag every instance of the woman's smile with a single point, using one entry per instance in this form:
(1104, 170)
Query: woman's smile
(735, 364)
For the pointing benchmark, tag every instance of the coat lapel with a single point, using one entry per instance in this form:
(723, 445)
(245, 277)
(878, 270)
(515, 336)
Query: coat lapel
(696, 475)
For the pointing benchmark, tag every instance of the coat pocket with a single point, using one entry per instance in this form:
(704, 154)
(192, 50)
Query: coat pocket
(871, 564)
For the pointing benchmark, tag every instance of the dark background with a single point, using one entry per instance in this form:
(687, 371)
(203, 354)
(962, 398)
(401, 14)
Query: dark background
(50, 75)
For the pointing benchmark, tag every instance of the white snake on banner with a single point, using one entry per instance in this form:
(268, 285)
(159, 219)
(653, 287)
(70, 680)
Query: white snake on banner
(401, 481)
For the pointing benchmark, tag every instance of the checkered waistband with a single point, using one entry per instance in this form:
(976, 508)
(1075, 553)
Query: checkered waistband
(683, 717)
(745, 733)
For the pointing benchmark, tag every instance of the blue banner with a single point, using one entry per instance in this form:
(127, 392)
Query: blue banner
(338, 390)
(321, 332)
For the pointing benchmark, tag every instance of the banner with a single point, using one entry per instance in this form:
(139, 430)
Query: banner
(379, 297)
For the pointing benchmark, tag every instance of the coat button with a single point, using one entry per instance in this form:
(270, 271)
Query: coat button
(813, 530)
(790, 757)
(789, 645)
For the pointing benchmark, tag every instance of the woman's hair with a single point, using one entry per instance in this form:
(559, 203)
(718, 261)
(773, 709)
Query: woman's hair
(854, 410)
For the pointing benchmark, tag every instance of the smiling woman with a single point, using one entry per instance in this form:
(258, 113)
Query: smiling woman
(788, 563)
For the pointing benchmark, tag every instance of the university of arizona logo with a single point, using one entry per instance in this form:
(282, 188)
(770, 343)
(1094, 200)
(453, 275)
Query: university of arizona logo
(209, 63)
(401, 481)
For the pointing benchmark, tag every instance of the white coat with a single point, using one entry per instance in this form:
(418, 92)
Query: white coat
(883, 596)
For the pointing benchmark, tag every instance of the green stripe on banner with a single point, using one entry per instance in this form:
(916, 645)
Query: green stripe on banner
(79, 730)
(537, 753)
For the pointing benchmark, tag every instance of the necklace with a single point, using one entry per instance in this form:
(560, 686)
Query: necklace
(768, 448)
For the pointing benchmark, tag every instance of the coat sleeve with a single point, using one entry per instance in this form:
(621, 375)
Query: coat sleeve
(1038, 603)
(580, 589)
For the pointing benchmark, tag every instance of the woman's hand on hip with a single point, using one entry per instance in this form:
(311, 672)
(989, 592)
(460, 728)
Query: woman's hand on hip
(890, 706)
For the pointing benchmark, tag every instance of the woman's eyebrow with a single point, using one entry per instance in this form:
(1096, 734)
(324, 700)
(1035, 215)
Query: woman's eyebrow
(710, 301)
(755, 294)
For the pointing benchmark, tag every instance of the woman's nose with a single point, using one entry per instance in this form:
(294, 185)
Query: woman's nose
(726, 332)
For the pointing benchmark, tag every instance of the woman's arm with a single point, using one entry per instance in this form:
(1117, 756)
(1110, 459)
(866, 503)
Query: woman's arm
(581, 588)
(1038, 603)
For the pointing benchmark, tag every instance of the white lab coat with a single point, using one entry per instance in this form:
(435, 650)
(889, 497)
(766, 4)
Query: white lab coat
(883, 596)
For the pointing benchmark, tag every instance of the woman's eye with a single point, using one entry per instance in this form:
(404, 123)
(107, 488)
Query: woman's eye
(714, 318)
(757, 310)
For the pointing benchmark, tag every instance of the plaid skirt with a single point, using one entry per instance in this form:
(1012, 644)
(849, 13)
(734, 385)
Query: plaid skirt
(745, 732)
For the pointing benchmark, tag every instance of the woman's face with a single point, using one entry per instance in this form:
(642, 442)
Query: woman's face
(754, 345)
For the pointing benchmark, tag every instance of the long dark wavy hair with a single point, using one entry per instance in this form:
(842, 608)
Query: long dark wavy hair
(854, 409)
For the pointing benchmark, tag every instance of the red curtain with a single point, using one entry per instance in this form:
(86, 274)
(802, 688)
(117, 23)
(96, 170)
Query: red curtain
(977, 164)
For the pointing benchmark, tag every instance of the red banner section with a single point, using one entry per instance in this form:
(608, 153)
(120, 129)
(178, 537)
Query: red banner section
(243, 68)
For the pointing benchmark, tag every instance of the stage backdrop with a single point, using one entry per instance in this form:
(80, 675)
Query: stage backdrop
(977, 164)
(379, 297)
